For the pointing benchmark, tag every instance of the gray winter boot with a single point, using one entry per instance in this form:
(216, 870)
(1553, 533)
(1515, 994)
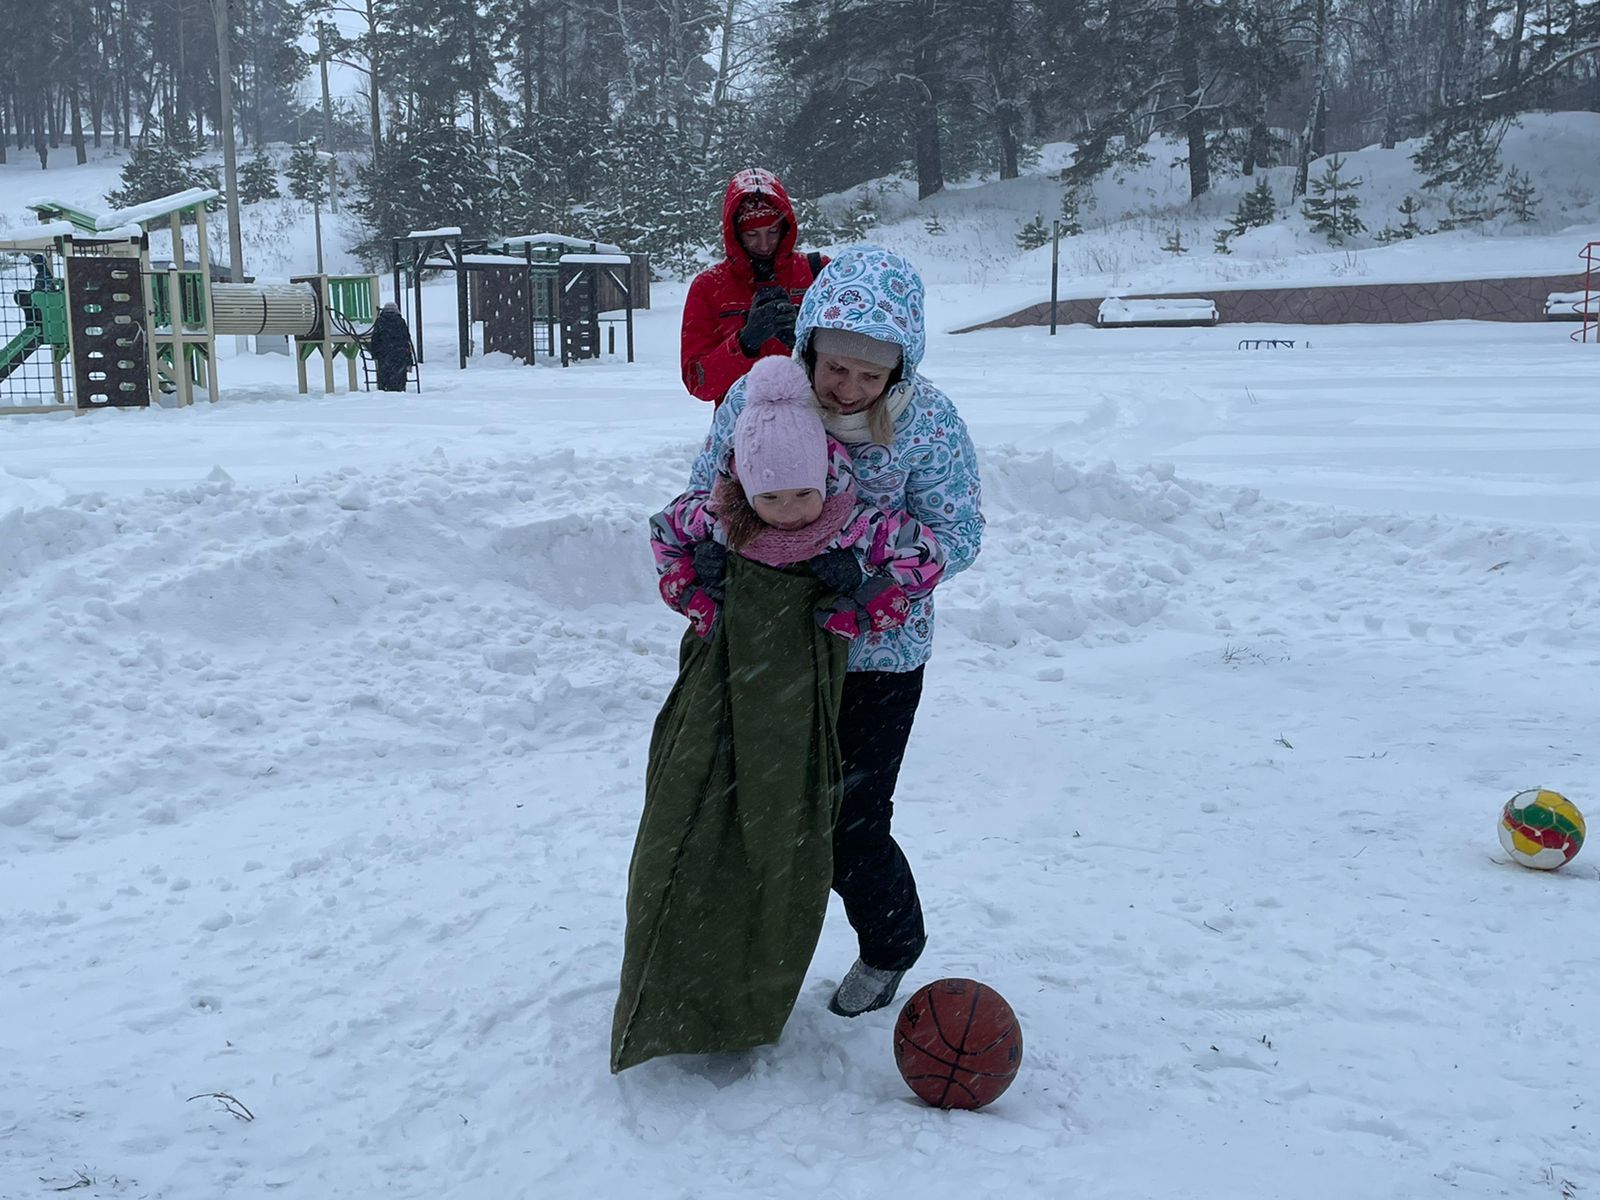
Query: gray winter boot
(864, 989)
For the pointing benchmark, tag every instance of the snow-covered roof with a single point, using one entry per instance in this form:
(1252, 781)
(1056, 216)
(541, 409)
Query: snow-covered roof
(442, 231)
(618, 260)
(117, 222)
(36, 237)
(495, 260)
(558, 239)
(155, 210)
(51, 211)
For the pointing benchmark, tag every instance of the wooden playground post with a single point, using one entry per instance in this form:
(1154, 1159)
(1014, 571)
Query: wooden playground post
(463, 303)
(147, 283)
(63, 246)
(208, 348)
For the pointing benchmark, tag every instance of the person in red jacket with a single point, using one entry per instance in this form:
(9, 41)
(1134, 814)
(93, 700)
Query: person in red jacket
(743, 308)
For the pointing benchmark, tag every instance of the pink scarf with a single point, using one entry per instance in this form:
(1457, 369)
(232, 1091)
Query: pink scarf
(784, 547)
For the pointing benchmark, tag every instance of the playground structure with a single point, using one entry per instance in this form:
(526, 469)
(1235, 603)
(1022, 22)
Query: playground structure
(83, 292)
(1588, 308)
(536, 294)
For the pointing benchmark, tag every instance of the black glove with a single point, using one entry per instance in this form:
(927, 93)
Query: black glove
(771, 316)
(710, 566)
(838, 571)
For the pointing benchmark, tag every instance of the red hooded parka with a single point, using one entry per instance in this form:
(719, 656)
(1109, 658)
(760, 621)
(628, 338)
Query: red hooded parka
(719, 298)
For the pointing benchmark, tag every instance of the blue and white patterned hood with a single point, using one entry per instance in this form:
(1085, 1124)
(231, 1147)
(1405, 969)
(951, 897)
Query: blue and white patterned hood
(869, 290)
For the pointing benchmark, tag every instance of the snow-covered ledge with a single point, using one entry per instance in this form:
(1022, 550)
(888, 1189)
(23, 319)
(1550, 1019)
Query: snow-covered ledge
(1116, 311)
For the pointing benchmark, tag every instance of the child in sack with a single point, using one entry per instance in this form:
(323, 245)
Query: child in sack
(731, 868)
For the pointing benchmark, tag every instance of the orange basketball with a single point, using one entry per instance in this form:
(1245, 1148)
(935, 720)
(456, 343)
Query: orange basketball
(957, 1044)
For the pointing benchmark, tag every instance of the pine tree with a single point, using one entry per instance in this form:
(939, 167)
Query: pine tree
(157, 169)
(1219, 244)
(1520, 197)
(1462, 152)
(1332, 204)
(307, 174)
(1257, 208)
(1071, 206)
(1409, 208)
(1174, 244)
(1034, 234)
(258, 179)
(1468, 207)
(934, 226)
(861, 219)
(650, 196)
(426, 178)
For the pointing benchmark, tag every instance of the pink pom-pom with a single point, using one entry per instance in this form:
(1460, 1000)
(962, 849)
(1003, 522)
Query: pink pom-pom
(777, 380)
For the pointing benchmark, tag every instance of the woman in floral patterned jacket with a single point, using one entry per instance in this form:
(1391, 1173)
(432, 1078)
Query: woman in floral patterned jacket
(860, 336)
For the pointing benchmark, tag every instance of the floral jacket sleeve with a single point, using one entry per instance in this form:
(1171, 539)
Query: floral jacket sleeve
(674, 533)
(901, 561)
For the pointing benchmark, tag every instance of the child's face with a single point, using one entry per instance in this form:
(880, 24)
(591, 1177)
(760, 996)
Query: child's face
(791, 508)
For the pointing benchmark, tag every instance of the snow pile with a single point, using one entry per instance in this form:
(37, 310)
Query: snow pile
(444, 601)
(1094, 555)
(497, 607)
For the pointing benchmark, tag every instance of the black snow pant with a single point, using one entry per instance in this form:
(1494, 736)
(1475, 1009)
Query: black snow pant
(870, 873)
(393, 373)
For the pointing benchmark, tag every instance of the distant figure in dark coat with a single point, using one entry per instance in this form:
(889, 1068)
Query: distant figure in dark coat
(391, 349)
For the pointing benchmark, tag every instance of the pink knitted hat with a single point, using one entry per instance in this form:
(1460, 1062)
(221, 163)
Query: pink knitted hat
(778, 439)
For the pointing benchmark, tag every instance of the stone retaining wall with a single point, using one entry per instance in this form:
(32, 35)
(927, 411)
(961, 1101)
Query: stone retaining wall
(1366, 303)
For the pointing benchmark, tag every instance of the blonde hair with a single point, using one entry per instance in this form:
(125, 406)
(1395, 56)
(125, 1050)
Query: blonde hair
(879, 423)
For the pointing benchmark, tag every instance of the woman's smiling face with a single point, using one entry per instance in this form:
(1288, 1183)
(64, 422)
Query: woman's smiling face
(848, 385)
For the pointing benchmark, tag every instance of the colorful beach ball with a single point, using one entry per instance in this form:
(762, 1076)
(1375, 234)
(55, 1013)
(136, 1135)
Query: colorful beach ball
(1541, 829)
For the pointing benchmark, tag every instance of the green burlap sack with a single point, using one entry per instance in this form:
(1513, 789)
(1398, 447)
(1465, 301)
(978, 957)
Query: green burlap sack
(731, 867)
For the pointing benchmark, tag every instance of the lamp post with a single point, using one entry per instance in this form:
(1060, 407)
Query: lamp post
(322, 156)
(327, 115)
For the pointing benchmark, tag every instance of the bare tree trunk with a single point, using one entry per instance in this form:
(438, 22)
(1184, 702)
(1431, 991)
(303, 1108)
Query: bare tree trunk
(374, 97)
(1519, 24)
(719, 90)
(230, 156)
(79, 149)
(527, 67)
(1319, 83)
(1258, 146)
(477, 84)
(930, 162)
(1391, 82)
(1194, 120)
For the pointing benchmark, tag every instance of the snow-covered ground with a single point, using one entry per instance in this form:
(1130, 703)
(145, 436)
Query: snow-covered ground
(325, 732)
(324, 736)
